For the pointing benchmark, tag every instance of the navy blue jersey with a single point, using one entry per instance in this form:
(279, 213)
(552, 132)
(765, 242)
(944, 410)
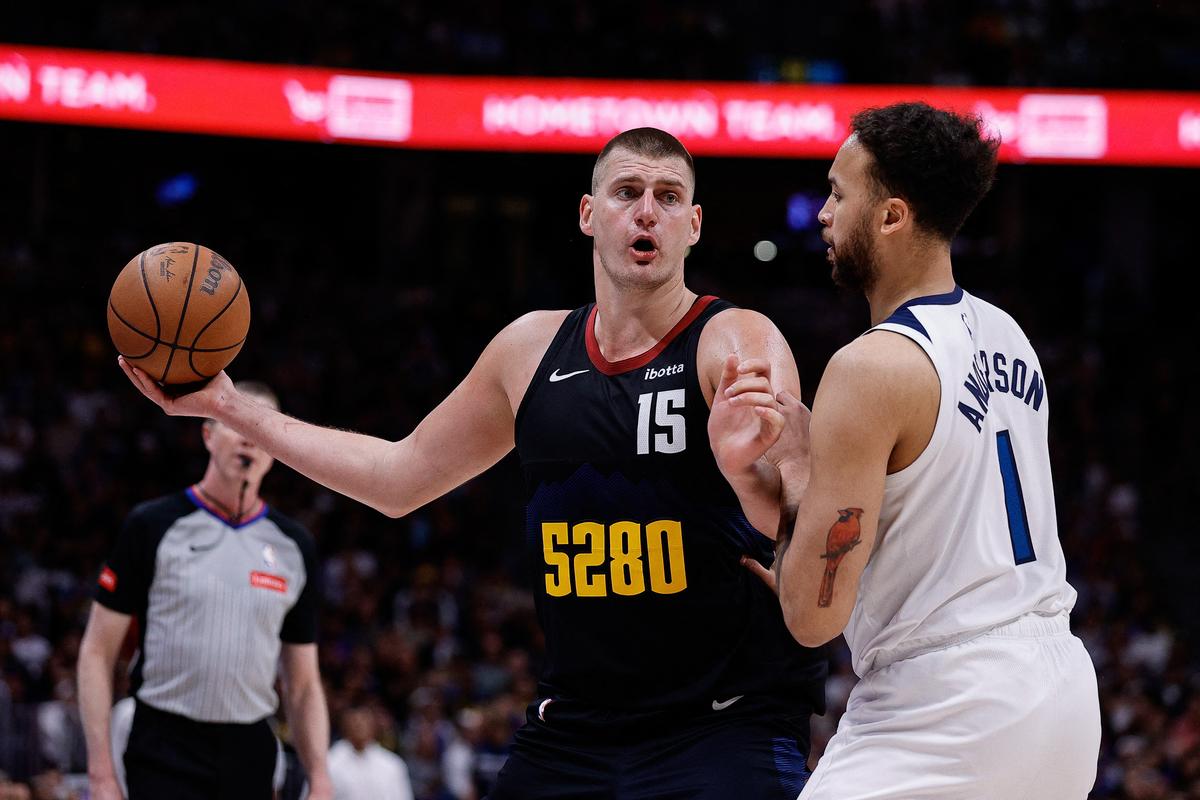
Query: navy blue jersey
(635, 539)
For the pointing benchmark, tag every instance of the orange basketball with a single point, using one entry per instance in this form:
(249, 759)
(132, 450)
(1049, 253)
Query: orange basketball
(179, 311)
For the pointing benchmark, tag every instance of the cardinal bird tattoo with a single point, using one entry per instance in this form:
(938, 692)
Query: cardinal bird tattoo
(844, 536)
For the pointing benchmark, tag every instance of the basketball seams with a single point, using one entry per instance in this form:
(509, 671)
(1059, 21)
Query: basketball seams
(150, 296)
(192, 351)
(157, 342)
(153, 340)
(183, 311)
(157, 354)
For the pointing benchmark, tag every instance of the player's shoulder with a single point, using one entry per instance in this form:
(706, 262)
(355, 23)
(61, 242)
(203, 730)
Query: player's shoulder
(534, 325)
(732, 326)
(525, 339)
(996, 315)
(881, 362)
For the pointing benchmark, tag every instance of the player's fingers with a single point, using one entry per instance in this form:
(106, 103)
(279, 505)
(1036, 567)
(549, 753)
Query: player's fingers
(748, 384)
(774, 423)
(142, 381)
(764, 574)
(791, 406)
(756, 399)
(760, 366)
(728, 374)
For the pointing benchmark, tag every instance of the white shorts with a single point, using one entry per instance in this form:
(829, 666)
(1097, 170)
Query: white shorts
(1013, 714)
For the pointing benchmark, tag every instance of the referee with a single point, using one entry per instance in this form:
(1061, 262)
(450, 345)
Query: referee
(224, 591)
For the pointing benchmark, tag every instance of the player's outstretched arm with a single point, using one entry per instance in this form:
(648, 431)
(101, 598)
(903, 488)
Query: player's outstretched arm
(465, 434)
(743, 360)
(870, 393)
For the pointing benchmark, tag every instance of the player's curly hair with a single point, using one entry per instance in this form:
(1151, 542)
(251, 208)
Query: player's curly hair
(940, 162)
(650, 142)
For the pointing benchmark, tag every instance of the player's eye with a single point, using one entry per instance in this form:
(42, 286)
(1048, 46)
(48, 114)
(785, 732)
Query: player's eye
(625, 193)
(670, 198)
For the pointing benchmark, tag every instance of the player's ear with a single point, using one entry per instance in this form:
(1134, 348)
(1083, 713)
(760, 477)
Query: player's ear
(897, 213)
(585, 215)
(697, 216)
(206, 432)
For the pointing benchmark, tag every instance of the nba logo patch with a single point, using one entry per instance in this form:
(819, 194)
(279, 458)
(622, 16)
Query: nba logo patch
(268, 554)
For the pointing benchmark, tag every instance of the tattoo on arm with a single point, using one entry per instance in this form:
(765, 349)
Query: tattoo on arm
(844, 536)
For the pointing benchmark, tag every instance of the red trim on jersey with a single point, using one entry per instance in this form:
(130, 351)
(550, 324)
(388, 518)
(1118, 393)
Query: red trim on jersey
(265, 580)
(611, 368)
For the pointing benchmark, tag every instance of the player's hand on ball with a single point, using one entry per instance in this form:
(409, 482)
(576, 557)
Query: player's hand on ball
(203, 402)
(744, 421)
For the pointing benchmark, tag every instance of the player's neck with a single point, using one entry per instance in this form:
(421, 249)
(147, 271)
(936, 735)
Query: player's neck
(629, 322)
(929, 273)
(236, 499)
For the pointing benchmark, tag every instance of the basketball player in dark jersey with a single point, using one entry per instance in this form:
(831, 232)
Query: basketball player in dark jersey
(669, 672)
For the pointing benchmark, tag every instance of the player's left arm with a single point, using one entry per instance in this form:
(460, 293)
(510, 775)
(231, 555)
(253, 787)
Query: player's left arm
(873, 394)
(742, 357)
(307, 714)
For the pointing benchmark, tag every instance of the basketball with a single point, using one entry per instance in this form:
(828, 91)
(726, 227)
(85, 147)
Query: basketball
(178, 311)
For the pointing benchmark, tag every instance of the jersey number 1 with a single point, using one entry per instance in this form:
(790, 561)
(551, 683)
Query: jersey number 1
(1014, 501)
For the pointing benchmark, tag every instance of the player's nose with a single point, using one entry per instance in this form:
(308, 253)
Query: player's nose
(645, 212)
(825, 215)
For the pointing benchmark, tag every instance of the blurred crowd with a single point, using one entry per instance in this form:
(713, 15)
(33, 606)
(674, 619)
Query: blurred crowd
(1090, 43)
(377, 277)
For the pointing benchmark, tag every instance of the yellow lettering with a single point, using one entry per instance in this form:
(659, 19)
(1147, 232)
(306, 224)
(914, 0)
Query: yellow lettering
(587, 585)
(558, 583)
(664, 551)
(625, 548)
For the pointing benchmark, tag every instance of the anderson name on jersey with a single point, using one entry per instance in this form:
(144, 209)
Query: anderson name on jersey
(968, 538)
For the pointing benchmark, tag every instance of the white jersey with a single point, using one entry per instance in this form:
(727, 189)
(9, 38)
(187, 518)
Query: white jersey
(968, 538)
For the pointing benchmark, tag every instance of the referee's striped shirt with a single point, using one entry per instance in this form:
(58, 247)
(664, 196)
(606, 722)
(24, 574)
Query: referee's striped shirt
(214, 602)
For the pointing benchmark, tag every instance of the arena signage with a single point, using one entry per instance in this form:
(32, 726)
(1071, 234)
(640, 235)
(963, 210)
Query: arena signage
(562, 115)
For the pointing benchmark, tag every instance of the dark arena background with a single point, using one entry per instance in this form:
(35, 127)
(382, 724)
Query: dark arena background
(377, 273)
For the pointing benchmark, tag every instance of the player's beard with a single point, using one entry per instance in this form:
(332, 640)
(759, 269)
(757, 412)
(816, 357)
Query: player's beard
(641, 279)
(855, 264)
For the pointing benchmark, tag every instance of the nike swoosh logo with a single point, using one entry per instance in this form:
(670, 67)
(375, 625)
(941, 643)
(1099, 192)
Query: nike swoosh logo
(722, 706)
(555, 377)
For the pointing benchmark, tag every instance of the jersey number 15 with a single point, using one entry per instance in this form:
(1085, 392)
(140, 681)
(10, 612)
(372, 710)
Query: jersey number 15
(662, 404)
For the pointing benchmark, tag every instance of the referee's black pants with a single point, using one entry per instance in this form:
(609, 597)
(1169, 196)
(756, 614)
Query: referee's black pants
(170, 757)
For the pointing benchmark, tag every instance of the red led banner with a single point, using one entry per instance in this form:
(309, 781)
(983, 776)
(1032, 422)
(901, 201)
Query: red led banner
(562, 115)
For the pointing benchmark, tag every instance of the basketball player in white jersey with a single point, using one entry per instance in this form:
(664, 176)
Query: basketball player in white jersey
(927, 529)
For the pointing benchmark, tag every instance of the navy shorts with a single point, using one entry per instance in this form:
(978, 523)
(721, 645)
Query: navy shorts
(714, 759)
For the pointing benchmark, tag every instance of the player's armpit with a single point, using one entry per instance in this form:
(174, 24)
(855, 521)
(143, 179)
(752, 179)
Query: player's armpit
(863, 404)
(474, 427)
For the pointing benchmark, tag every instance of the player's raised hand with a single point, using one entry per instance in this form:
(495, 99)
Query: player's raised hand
(200, 403)
(744, 421)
